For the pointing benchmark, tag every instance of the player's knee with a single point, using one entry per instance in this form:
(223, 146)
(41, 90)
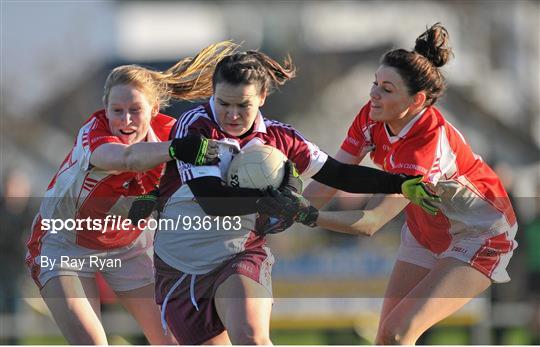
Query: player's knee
(248, 335)
(391, 333)
(259, 339)
(388, 339)
(84, 336)
(262, 340)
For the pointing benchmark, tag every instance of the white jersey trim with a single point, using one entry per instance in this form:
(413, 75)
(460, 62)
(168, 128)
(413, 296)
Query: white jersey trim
(188, 118)
(444, 163)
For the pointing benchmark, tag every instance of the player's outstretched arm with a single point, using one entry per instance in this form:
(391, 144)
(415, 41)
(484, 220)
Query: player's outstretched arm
(289, 206)
(320, 194)
(364, 222)
(362, 179)
(142, 156)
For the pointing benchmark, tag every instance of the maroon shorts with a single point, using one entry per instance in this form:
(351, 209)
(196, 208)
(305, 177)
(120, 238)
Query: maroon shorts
(192, 327)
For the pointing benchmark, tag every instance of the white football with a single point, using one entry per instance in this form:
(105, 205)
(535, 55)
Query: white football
(257, 167)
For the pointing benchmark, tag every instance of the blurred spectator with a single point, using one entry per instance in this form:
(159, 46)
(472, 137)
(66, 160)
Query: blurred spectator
(532, 245)
(16, 215)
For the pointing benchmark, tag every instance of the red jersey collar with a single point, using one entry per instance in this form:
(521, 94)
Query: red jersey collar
(406, 128)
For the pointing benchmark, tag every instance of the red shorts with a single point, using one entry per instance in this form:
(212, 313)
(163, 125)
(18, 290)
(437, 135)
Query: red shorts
(189, 325)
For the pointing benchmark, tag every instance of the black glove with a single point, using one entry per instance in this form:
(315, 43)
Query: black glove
(272, 225)
(291, 179)
(287, 205)
(143, 206)
(194, 149)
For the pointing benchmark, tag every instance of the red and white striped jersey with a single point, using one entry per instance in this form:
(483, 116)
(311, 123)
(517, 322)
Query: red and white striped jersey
(474, 199)
(199, 251)
(80, 190)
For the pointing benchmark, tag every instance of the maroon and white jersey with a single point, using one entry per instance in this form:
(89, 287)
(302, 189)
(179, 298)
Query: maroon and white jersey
(474, 201)
(79, 190)
(199, 251)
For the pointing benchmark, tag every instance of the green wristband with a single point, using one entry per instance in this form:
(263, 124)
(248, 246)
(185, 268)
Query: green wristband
(148, 197)
(200, 160)
(172, 154)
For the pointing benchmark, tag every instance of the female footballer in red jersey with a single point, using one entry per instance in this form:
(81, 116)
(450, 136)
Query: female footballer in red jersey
(445, 258)
(213, 271)
(118, 154)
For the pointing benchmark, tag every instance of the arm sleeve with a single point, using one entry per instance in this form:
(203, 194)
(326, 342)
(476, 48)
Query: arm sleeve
(218, 199)
(358, 179)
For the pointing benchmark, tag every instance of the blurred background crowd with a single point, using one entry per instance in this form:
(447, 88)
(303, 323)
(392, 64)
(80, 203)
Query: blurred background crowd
(56, 55)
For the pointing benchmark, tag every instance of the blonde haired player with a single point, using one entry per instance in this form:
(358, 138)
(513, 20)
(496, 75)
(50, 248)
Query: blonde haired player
(118, 154)
(445, 259)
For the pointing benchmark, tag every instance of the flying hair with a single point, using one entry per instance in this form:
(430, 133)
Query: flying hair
(190, 79)
(253, 67)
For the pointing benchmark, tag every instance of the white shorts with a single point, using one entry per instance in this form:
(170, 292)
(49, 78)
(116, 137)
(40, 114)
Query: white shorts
(489, 255)
(124, 268)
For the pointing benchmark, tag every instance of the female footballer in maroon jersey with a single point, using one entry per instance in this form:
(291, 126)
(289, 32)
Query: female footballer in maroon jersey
(445, 259)
(118, 154)
(213, 270)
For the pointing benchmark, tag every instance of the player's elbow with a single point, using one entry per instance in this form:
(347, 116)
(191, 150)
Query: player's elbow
(370, 231)
(363, 230)
(366, 226)
(131, 162)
